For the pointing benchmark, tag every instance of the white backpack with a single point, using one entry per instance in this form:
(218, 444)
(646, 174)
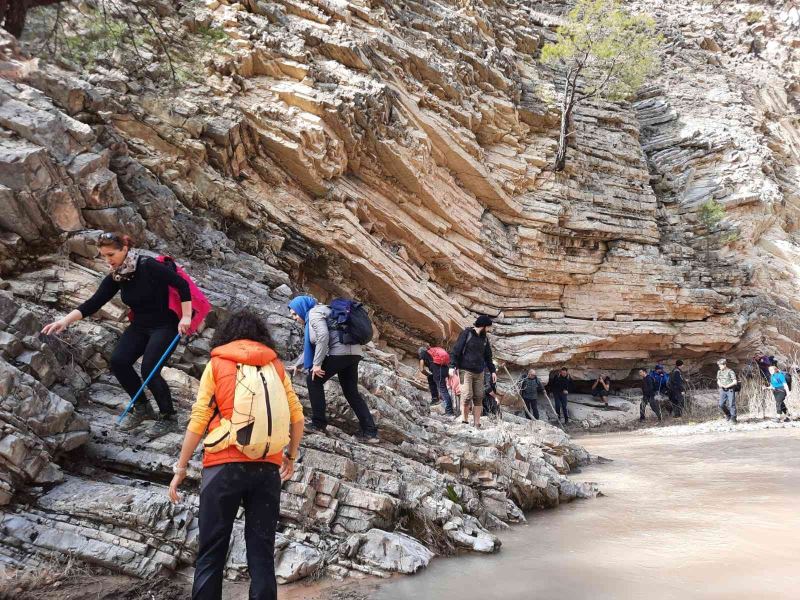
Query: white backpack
(259, 423)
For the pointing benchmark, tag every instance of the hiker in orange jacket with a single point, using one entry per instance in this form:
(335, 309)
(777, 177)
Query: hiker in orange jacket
(230, 476)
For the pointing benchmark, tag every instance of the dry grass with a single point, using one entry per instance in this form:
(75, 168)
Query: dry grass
(52, 578)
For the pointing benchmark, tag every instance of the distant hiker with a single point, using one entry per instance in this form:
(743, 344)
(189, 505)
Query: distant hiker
(491, 400)
(676, 386)
(779, 384)
(601, 388)
(325, 354)
(247, 403)
(727, 384)
(530, 386)
(435, 362)
(648, 395)
(660, 379)
(472, 354)
(145, 284)
(561, 386)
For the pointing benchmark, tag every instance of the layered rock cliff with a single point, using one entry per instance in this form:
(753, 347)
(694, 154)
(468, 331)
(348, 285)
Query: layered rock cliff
(398, 152)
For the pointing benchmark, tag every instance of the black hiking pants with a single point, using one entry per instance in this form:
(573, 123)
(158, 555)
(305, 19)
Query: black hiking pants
(224, 488)
(780, 401)
(434, 389)
(560, 399)
(532, 404)
(149, 343)
(346, 367)
(677, 402)
(654, 405)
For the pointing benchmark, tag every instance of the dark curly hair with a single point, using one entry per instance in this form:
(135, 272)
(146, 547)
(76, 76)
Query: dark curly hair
(243, 325)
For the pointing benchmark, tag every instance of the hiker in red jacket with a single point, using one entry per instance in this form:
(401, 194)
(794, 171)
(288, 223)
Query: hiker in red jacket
(436, 361)
(144, 285)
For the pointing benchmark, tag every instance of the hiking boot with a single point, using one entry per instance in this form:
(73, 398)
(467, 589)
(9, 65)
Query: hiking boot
(166, 423)
(641, 419)
(367, 439)
(132, 420)
(312, 428)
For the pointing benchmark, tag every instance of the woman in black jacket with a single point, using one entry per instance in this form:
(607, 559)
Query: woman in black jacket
(144, 285)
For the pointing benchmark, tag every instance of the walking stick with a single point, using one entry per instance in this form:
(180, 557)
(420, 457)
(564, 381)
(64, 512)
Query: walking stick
(149, 377)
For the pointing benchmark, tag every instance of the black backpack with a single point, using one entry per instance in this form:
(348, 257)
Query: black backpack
(788, 376)
(350, 320)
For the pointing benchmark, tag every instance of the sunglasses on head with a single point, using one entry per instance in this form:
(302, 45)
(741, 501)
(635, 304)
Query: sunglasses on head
(108, 236)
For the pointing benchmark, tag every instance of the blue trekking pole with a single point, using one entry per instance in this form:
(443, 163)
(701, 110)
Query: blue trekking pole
(149, 377)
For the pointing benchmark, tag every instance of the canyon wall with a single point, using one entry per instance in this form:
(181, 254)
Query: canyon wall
(400, 152)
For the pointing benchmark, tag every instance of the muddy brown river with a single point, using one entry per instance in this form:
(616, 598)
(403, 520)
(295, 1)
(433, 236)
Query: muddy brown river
(703, 516)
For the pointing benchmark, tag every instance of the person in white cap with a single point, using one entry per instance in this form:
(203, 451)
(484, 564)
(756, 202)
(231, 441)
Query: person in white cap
(727, 382)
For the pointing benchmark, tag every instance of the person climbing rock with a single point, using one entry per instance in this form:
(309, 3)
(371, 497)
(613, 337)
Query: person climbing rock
(425, 368)
(779, 385)
(648, 396)
(243, 376)
(324, 356)
(561, 386)
(676, 388)
(143, 283)
(433, 363)
(529, 388)
(601, 388)
(727, 383)
(472, 354)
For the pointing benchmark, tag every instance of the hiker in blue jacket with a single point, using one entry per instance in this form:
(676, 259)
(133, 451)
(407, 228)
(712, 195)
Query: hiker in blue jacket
(660, 380)
(324, 355)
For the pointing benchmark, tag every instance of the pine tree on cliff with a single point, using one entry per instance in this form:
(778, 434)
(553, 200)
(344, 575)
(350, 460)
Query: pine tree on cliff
(606, 52)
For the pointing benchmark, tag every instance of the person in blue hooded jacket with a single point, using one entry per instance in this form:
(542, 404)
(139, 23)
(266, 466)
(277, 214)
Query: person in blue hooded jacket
(660, 380)
(325, 356)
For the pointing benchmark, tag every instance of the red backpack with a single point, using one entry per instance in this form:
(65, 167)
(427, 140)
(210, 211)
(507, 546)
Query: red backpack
(439, 356)
(200, 304)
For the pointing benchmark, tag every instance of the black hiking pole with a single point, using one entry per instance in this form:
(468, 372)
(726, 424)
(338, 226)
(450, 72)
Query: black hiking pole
(149, 377)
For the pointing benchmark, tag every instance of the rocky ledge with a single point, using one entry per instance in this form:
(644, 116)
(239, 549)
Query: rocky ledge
(432, 486)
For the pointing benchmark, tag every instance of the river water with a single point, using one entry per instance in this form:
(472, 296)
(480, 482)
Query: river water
(682, 517)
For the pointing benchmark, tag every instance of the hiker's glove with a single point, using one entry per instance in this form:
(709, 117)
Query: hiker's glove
(451, 372)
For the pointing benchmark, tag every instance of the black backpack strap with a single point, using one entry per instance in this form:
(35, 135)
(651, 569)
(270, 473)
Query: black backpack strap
(216, 411)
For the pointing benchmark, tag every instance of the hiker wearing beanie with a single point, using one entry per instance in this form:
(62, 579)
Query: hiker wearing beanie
(324, 356)
(143, 283)
(252, 414)
(472, 354)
